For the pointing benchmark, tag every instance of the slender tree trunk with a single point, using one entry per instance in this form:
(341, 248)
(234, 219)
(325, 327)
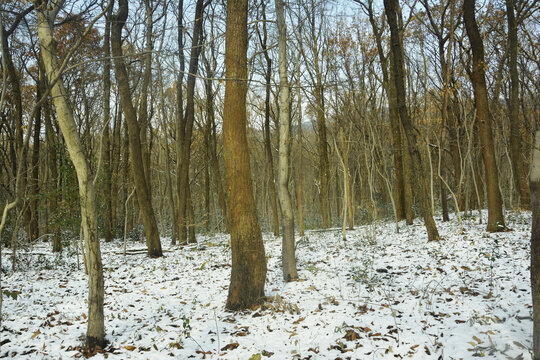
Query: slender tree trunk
(495, 213)
(186, 126)
(248, 258)
(403, 205)
(535, 242)
(95, 334)
(107, 178)
(33, 183)
(53, 181)
(180, 129)
(285, 140)
(300, 169)
(410, 133)
(514, 119)
(115, 164)
(397, 132)
(163, 117)
(153, 241)
(210, 112)
(324, 171)
(267, 134)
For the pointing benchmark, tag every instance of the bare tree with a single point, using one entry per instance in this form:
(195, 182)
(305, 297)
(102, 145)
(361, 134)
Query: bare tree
(410, 132)
(535, 244)
(495, 214)
(135, 149)
(285, 139)
(248, 259)
(46, 15)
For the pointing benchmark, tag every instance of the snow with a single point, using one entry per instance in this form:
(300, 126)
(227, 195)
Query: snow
(377, 295)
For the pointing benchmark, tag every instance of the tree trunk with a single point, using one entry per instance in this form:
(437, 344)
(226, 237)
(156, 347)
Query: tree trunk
(153, 241)
(495, 213)
(33, 183)
(180, 128)
(285, 140)
(53, 181)
(324, 173)
(163, 117)
(267, 133)
(403, 207)
(410, 133)
(186, 129)
(95, 334)
(515, 137)
(210, 114)
(107, 178)
(535, 244)
(248, 258)
(300, 169)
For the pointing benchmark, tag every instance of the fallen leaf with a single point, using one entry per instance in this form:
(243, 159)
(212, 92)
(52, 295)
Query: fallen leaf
(230, 346)
(36, 334)
(477, 339)
(129, 347)
(351, 335)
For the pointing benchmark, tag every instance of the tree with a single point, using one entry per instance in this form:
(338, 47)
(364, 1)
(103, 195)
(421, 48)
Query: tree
(535, 244)
(263, 39)
(313, 56)
(401, 167)
(46, 14)
(248, 258)
(142, 188)
(107, 180)
(391, 10)
(478, 78)
(185, 127)
(287, 249)
(513, 104)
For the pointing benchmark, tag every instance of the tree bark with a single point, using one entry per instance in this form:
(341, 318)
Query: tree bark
(186, 126)
(300, 169)
(153, 241)
(267, 133)
(53, 181)
(33, 181)
(210, 118)
(403, 205)
(410, 133)
(514, 119)
(107, 178)
(248, 258)
(495, 213)
(95, 334)
(535, 244)
(180, 129)
(287, 249)
(324, 171)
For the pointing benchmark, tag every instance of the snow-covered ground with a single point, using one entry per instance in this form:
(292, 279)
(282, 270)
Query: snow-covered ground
(377, 295)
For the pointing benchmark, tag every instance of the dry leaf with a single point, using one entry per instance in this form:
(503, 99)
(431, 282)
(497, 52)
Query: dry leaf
(477, 339)
(129, 347)
(351, 335)
(230, 346)
(36, 334)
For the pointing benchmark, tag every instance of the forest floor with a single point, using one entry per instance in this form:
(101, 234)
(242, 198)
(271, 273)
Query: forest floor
(377, 295)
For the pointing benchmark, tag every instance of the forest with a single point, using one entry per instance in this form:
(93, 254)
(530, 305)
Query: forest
(302, 179)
